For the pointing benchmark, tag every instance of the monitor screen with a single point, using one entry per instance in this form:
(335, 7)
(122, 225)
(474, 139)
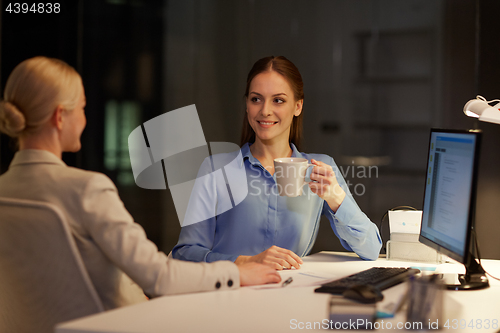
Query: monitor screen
(449, 196)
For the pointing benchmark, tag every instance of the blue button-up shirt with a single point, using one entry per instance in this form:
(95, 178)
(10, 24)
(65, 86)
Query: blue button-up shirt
(264, 218)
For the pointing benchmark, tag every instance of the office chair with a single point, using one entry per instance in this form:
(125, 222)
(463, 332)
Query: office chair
(42, 277)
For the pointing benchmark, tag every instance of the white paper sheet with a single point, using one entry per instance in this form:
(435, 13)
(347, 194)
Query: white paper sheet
(300, 279)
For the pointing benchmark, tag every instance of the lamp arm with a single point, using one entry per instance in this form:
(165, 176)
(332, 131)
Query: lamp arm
(484, 99)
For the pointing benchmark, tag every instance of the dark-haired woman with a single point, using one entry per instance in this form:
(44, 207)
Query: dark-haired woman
(266, 227)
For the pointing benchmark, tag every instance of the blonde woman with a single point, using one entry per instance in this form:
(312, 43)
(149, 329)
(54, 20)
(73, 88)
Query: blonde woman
(43, 107)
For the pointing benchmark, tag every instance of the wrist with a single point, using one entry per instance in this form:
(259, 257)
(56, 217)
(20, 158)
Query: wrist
(241, 260)
(337, 200)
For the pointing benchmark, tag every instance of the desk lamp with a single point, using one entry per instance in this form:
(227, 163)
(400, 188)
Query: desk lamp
(480, 108)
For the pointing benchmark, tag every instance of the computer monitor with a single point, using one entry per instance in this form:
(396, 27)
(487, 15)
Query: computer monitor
(450, 200)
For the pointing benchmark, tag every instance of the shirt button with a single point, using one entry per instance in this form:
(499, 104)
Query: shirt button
(217, 285)
(230, 283)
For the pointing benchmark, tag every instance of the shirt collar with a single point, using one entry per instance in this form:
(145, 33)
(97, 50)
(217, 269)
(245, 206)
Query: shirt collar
(247, 154)
(295, 152)
(33, 156)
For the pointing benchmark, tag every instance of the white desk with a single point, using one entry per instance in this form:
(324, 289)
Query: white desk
(281, 309)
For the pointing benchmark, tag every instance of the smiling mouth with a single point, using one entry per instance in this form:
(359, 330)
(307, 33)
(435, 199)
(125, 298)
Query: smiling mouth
(267, 123)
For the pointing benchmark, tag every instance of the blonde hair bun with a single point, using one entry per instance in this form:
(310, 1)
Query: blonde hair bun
(12, 121)
(33, 90)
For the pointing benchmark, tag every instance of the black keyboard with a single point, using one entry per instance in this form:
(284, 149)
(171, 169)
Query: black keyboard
(379, 277)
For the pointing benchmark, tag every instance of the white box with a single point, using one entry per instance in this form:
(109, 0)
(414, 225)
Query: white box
(411, 251)
(404, 245)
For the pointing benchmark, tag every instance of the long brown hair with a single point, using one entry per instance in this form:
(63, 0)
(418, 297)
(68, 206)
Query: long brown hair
(289, 71)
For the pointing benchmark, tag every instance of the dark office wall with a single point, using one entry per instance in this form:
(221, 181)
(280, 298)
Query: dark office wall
(122, 64)
(487, 84)
(470, 68)
(116, 47)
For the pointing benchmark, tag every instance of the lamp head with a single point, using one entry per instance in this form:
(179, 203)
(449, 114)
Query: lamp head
(479, 108)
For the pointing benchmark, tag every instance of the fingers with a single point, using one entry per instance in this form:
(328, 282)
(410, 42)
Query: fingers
(322, 169)
(323, 183)
(270, 274)
(273, 264)
(313, 161)
(323, 180)
(287, 258)
(323, 188)
(280, 264)
(290, 257)
(255, 273)
(272, 277)
(280, 258)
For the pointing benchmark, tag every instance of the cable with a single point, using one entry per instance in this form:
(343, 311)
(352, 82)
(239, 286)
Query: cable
(484, 99)
(479, 256)
(380, 227)
(491, 276)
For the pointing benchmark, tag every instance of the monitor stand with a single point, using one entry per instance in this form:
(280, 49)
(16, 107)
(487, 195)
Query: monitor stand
(474, 277)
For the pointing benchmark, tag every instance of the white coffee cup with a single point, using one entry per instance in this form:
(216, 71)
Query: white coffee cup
(290, 173)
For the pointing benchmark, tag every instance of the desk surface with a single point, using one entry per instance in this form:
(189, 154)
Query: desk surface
(285, 309)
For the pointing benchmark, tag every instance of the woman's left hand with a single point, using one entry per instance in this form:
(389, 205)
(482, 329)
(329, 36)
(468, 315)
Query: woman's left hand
(325, 184)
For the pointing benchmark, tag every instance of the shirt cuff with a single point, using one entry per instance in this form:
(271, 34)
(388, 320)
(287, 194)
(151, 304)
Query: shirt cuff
(344, 212)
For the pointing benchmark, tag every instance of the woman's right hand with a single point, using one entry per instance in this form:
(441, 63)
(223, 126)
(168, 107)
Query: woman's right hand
(252, 273)
(275, 257)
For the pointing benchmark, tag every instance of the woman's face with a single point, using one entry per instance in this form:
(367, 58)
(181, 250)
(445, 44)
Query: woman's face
(271, 107)
(74, 123)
